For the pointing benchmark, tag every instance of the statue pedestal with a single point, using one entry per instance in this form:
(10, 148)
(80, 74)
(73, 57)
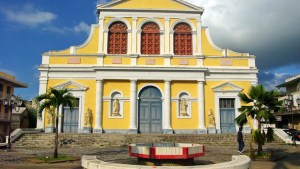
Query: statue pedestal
(87, 129)
(212, 130)
(49, 129)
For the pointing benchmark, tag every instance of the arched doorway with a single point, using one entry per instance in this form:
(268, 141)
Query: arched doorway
(150, 110)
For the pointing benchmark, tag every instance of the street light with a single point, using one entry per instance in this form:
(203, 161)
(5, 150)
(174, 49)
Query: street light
(12, 102)
(289, 105)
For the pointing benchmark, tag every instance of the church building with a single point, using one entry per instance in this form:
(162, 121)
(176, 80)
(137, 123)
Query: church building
(148, 66)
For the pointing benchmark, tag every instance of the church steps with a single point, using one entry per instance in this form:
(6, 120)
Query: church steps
(104, 140)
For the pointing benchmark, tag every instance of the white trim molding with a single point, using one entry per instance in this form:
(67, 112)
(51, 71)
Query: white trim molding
(220, 93)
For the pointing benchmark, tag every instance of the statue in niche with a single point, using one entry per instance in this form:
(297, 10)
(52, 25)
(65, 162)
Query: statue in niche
(183, 107)
(212, 122)
(50, 119)
(88, 117)
(116, 108)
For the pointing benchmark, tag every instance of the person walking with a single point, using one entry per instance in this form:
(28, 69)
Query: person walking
(294, 138)
(240, 140)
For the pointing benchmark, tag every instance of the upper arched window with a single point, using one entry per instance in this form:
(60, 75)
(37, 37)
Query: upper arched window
(117, 38)
(150, 42)
(183, 43)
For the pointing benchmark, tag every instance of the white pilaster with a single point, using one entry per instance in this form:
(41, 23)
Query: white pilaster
(101, 30)
(134, 33)
(199, 37)
(138, 46)
(105, 41)
(167, 110)
(172, 42)
(42, 90)
(99, 96)
(167, 36)
(129, 43)
(133, 112)
(201, 126)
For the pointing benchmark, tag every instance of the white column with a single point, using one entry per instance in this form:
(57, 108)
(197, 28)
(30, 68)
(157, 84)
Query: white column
(138, 46)
(99, 96)
(201, 126)
(42, 90)
(172, 42)
(105, 40)
(199, 36)
(162, 42)
(133, 113)
(134, 33)
(101, 30)
(167, 36)
(167, 110)
(129, 43)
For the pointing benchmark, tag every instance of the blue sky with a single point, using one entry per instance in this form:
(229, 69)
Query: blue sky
(29, 28)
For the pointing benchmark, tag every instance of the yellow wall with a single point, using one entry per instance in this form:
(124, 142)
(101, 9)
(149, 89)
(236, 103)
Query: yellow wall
(217, 61)
(64, 60)
(92, 46)
(207, 48)
(90, 93)
(108, 60)
(108, 88)
(184, 123)
(142, 60)
(209, 94)
(191, 61)
(148, 4)
(158, 84)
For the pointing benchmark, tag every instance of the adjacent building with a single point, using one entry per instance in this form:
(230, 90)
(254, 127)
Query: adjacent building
(290, 117)
(148, 67)
(7, 85)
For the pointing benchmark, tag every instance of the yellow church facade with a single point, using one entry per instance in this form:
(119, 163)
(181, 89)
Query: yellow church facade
(148, 67)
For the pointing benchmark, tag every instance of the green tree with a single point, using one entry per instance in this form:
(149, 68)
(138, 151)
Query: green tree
(51, 101)
(260, 105)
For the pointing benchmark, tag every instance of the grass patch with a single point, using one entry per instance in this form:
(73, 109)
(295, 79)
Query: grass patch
(50, 159)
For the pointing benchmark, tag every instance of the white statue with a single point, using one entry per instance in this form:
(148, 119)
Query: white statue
(183, 107)
(212, 122)
(88, 117)
(116, 108)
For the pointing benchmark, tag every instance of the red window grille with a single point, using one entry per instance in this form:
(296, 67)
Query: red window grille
(117, 38)
(150, 40)
(183, 44)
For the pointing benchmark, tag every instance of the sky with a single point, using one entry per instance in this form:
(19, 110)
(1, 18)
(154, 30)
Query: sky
(268, 29)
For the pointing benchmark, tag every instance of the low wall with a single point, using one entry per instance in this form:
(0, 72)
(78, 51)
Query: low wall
(238, 162)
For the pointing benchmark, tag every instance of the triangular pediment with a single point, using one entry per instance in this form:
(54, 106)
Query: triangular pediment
(72, 86)
(179, 5)
(227, 87)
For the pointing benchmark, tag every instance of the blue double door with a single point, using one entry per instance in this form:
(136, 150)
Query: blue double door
(70, 119)
(150, 111)
(227, 115)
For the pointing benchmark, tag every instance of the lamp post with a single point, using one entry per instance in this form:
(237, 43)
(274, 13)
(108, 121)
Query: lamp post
(13, 103)
(289, 105)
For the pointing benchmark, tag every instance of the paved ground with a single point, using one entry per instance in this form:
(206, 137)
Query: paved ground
(21, 158)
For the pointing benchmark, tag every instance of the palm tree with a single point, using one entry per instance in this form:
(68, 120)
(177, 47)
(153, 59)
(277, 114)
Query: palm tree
(51, 101)
(260, 105)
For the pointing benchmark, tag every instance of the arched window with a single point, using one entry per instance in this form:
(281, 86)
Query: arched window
(117, 38)
(150, 42)
(183, 44)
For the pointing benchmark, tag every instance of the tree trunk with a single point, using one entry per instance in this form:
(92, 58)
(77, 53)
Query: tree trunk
(56, 135)
(259, 144)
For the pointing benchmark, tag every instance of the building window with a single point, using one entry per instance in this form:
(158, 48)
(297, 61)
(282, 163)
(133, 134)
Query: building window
(183, 44)
(1, 88)
(150, 39)
(6, 110)
(117, 38)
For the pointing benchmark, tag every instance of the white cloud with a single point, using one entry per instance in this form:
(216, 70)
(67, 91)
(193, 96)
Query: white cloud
(81, 27)
(28, 16)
